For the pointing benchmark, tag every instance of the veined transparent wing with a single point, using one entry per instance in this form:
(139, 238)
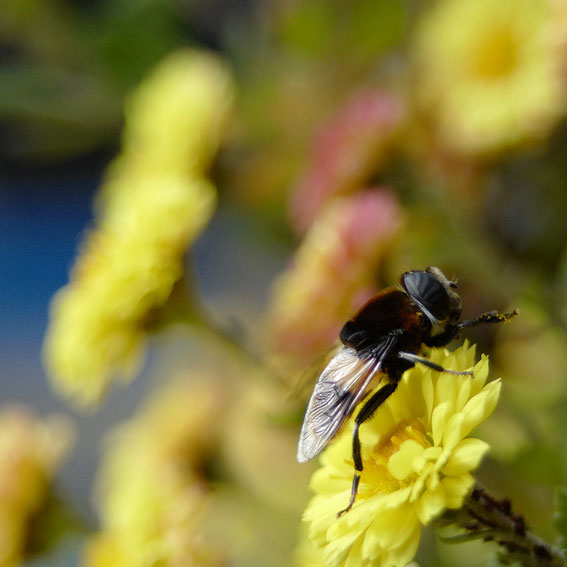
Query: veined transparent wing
(341, 385)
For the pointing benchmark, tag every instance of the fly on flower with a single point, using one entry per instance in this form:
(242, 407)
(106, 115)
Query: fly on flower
(381, 342)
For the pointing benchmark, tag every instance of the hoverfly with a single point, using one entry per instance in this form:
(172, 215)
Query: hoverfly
(383, 340)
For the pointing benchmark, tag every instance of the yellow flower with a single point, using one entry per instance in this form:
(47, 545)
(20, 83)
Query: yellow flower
(491, 73)
(255, 428)
(153, 205)
(177, 117)
(417, 460)
(31, 451)
(97, 322)
(305, 553)
(164, 530)
(151, 496)
(175, 205)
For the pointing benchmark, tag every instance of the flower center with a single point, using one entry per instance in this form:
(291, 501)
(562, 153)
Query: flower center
(400, 456)
(496, 56)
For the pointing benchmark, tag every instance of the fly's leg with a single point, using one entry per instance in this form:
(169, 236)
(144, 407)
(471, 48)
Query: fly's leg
(490, 317)
(452, 331)
(367, 411)
(414, 359)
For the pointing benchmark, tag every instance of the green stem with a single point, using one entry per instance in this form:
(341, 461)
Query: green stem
(184, 307)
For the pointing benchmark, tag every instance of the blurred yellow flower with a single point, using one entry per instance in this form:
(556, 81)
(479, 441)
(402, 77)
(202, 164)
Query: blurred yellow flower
(491, 73)
(176, 119)
(259, 425)
(153, 205)
(333, 272)
(175, 205)
(417, 460)
(151, 494)
(305, 553)
(31, 451)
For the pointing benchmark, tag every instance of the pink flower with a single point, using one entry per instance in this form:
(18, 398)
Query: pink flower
(353, 144)
(333, 271)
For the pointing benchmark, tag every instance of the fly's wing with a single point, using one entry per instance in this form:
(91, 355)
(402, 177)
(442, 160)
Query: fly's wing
(306, 382)
(341, 385)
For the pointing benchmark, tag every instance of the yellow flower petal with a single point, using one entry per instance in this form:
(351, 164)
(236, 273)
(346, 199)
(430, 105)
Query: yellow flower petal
(431, 504)
(405, 552)
(401, 464)
(463, 394)
(465, 457)
(480, 373)
(456, 488)
(440, 415)
(481, 406)
(446, 388)
(427, 391)
(454, 431)
(388, 530)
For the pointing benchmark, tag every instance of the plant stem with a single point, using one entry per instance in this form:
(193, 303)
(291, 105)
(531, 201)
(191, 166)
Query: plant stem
(184, 306)
(493, 520)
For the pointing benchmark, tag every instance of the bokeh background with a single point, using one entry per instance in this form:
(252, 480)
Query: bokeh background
(363, 139)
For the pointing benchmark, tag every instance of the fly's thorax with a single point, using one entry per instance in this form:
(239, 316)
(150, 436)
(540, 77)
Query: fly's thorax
(390, 310)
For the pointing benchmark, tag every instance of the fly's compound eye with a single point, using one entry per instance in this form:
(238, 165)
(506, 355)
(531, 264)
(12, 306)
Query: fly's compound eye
(429, 294)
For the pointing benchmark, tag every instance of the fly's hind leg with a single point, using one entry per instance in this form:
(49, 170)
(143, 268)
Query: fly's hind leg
(367, 411)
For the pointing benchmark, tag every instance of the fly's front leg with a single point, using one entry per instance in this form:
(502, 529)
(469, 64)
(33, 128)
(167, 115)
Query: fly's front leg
(367, 411)
(452, 331)
(490, 317)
